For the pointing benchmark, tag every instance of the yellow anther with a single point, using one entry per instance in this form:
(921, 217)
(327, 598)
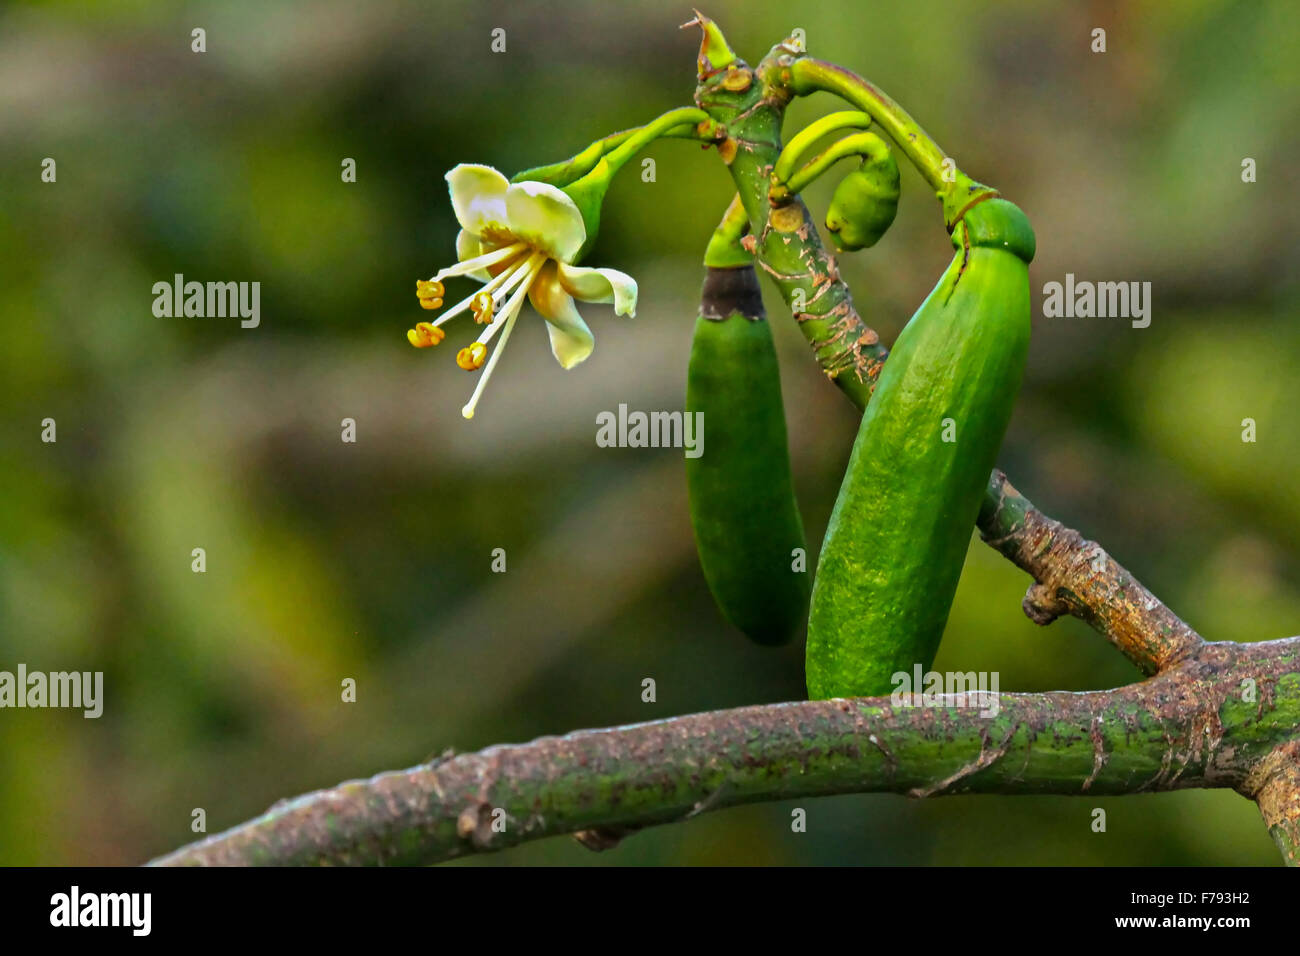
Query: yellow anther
(472, 357)
(482, 306)
(431, 303)
(425, 335)
(429, 289)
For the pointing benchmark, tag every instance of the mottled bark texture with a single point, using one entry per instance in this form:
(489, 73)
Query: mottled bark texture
(1210, 721)
(1274, 783)
(1076, 576)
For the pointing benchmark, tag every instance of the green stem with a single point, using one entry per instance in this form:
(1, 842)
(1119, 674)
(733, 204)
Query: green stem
(586, 177)
(804, 272)
(724, 250)
(675, 124)
(861, 144)
(652, 131)
(809, 75)
(588, 192)
(803, 140)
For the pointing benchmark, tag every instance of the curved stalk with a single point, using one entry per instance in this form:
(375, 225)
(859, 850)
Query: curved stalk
(680, 123)
(861, 144)
(651, 131)
(724, 250)
(955, 189)
(803, 140)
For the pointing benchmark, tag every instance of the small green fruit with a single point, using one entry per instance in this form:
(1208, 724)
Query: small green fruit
(865, 201)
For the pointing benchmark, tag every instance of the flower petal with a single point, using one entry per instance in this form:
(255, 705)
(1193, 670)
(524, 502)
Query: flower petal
(546, 217)
(571, 340)
(600, 285)
(468, 246)
(478, 197)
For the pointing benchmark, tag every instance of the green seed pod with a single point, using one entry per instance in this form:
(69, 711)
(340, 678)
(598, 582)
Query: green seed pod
(866, 200)
(743, 509)
(902, 522)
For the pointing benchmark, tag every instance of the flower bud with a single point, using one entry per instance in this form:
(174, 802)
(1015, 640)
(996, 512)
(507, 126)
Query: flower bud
(865, 203)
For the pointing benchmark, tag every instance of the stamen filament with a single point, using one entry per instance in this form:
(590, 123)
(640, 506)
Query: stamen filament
(511, 271)
(516, 302)
(530, 266)
(507, 319)
(468, 410)
(481, 262)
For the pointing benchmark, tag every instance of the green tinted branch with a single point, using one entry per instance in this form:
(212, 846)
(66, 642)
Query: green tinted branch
(1076, 576)
(1185, 728)
(1275, 786)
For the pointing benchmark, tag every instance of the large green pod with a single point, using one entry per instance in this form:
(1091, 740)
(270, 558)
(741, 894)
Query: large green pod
(898, 535)
(747, 528)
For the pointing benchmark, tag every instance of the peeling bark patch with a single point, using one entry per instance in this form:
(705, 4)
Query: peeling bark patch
(1099, 752)
(985, 759)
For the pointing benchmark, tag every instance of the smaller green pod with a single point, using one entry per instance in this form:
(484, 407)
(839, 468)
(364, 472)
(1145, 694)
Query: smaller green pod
(743, 509)
(866, 200)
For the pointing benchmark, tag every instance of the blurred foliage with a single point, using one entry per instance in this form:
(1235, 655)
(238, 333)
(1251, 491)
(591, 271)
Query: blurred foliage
(329, 560)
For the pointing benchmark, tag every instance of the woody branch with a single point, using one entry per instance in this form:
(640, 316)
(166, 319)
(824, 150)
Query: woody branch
(1187, 727)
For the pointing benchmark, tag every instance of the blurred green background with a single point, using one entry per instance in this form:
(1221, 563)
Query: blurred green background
(371, 560)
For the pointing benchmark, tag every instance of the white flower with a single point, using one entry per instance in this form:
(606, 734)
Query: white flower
(520, 239)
